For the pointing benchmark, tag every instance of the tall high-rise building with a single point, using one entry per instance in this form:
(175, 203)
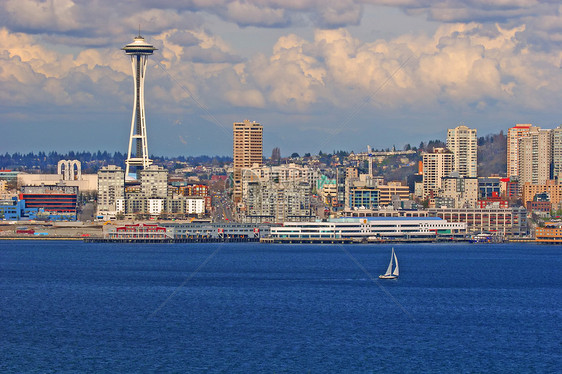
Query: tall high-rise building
(463, 142)
(535, 156)
(436, 165)
(557, 154)
(139, 50)
(111, 190)
(154, 181)
(513, 135)
(247, 151)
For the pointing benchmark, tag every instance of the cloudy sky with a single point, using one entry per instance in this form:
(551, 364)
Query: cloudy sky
(317, 74)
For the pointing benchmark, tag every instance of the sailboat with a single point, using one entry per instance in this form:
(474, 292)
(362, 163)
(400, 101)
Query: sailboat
(389, 273)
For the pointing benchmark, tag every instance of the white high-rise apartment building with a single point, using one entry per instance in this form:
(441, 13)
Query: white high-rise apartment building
(111, 191)
(535, 156)
(154, 182)
(436, 165)
(513, 135)
(463, 142)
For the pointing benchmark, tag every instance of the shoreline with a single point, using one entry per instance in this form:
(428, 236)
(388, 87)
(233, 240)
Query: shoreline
(261, 241)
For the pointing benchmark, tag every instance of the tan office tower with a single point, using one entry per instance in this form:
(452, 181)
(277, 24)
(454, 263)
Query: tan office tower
(463, 142)
(247, 151)
(513, 135)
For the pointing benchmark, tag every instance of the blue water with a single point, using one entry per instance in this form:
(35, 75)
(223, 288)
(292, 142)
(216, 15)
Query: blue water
(69, 306)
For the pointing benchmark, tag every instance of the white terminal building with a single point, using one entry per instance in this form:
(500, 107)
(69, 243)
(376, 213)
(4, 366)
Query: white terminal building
(369, 227)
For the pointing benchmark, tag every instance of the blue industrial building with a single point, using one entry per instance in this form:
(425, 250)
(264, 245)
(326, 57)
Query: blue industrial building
(16, 210)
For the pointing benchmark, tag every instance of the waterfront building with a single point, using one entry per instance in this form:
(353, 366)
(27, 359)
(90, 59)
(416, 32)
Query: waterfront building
(388, 211)
(436, 164)
(140, 231)
(463, 142)
(217, 230)
(535, 156)
(195, 206)
(550, 233)
(111, 191)
(515, 133)
(155, 206)
(60, 201)
(508, 222)
(247, 151)
(173, 206)
(139, 50)
(15, 210)
(369, 228)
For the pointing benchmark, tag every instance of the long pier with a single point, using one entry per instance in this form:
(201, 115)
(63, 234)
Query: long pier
(360, 240)
(263, 240)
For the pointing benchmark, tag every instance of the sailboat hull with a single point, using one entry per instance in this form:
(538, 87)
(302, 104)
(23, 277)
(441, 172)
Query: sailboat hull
(388, 276)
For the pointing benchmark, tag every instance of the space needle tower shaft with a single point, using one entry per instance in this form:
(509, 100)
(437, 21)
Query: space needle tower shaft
(139, 50)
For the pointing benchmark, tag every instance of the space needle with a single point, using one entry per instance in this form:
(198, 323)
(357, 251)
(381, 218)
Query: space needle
(139, 50)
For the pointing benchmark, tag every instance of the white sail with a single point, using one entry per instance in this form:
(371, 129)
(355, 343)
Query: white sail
(389, 274)
(396, 271)
(389, 269)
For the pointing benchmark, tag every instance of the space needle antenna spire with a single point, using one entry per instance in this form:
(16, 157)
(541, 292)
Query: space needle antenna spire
(139, 50)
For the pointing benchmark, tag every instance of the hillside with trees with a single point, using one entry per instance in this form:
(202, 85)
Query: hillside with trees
(492, 154)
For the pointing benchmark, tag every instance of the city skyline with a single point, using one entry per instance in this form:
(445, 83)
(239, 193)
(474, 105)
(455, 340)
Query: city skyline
(317, 76)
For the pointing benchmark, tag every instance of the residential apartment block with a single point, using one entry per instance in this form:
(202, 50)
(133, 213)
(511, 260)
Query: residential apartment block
(436, 165)
(463, 142)
(513, 135)
(535, 156)
(277, 193)
(111, 190)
